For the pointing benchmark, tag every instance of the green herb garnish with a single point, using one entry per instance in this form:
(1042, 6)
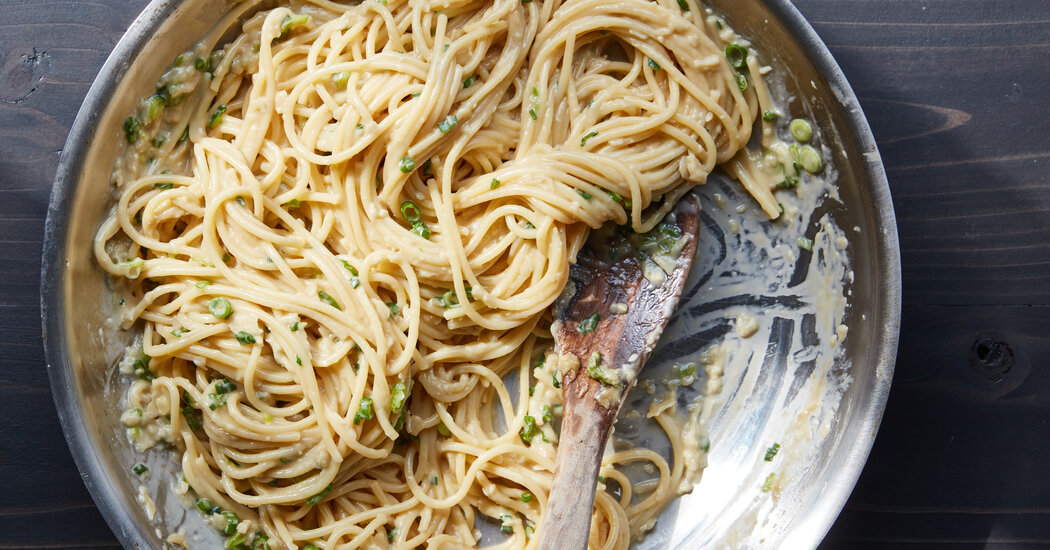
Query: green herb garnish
(326, 298)
(589, 323)
(737, 56)
(448, 124)
(220, 307)
(801, 129)
(407, 164)
(364, 410)
(312, 501)
(216, 117)
(528, 431)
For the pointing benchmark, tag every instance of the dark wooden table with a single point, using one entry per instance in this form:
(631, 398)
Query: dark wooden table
(957, 94)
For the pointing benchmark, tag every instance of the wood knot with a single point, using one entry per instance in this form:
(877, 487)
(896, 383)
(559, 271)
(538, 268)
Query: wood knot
(992, 357)
(21, 73)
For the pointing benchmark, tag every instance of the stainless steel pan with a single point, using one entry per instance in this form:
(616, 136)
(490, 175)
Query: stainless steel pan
(82, 347)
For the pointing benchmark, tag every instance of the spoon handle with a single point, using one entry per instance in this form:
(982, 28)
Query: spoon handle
(615, 307)
(584, 430)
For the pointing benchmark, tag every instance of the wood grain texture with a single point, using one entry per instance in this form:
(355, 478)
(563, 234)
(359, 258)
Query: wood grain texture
(957, 94)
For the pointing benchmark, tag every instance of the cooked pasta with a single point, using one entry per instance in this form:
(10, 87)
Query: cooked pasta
(341, 233)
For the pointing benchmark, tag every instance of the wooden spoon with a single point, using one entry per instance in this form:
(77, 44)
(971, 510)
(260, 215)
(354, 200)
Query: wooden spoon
(615, 307)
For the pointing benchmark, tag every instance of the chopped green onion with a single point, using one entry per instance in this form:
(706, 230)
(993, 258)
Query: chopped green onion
(154, 107)
(469, 81)
(583, 140)
(291, 23)
(294, 203)
(391, 535)
(801, 129)
(310, 547)
(494, 184)
(184, 136)
(364, 410)
(421, 229)
(260, 541)
(683, 4)
(589, 323)
(772, 452)
(554, 380)
(216, 118)
(737, 56)
(448, 300)
(443, 430)
(788, 183)
(769, 116)
(298, 361)
(532, 113)
(805, 244)
(584, 194)
(220, 307)
(202, 64)
(245, 338)
(398, 397)
(394, 308)
(526, 497)
(205, 505)
(811, 160)
(741, 82)
(529, 529)
(179, 332)
(164, 186)
(768, 485)
(326, 298)
(407, 164)
(653, 64)
(231, 522)
(506, 528)
(202, 283)
(216, 400)
(686, 370)
(132, 129)
(410, 211)
(705, 443)
(528, 431)
(140, 469)
(340, 79)
(448, 124)
(548, 416)
(312, 501)
(237, 541)
(225, 386)
(596, 371)
(294, 326)
(434, 480)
